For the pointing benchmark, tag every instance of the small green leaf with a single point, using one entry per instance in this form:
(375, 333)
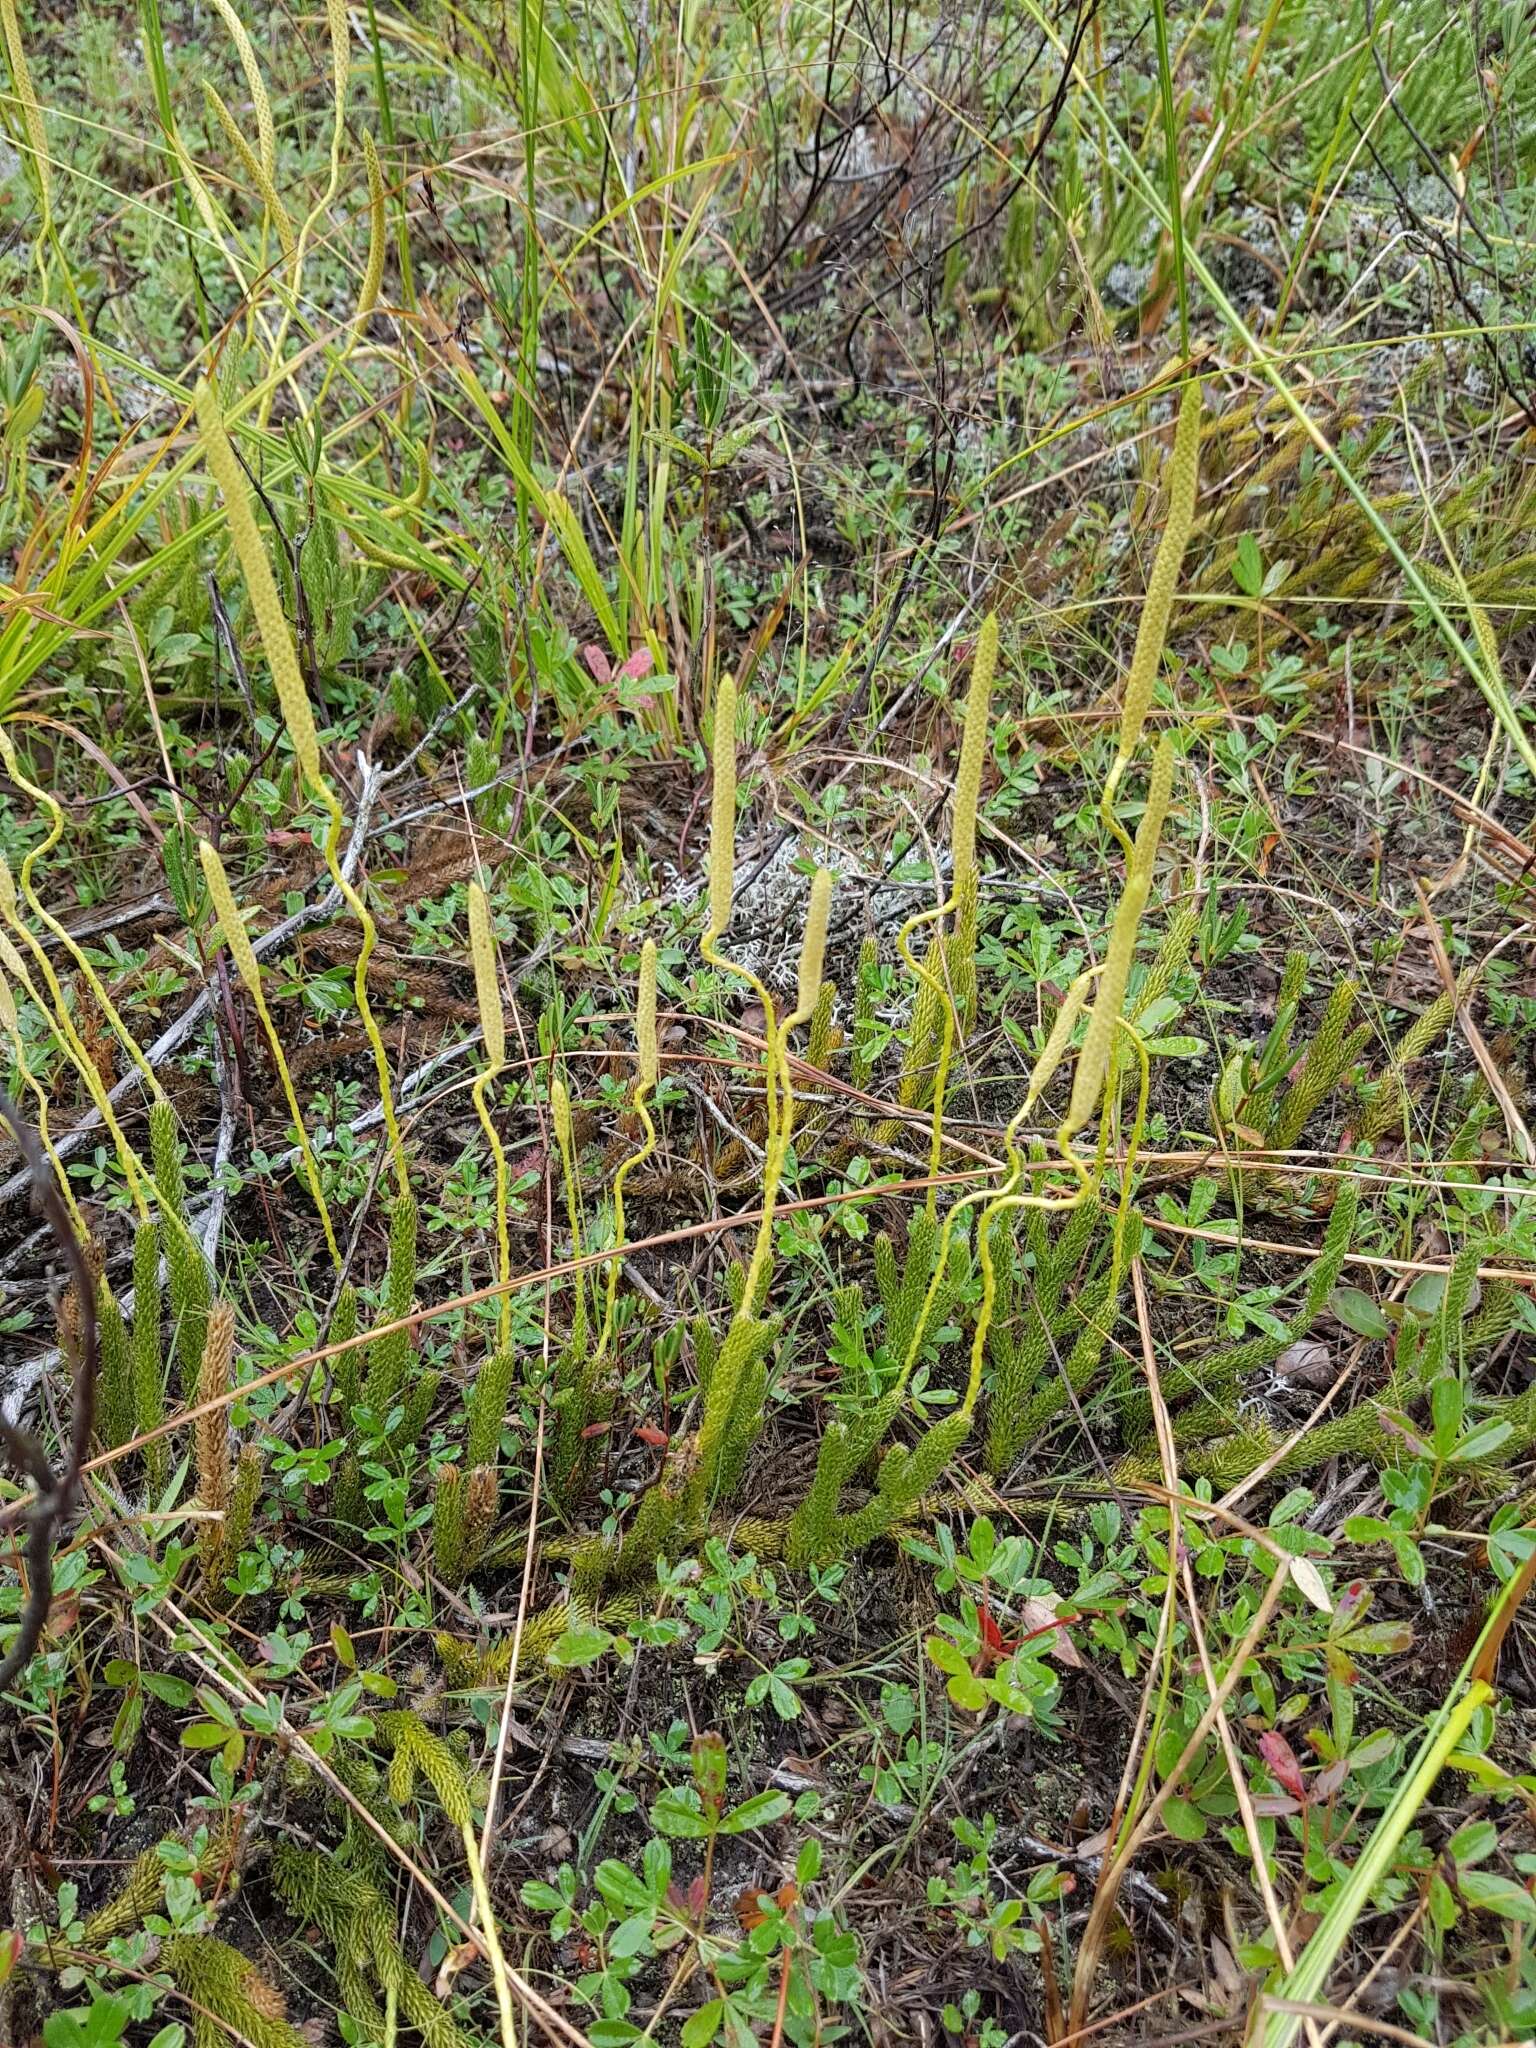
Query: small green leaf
(1186, 1823)
(760, 1811)
(699, 2031)
(1445, 1407)
(580, 1646)
(1481, 1441)
(1358, 1312)
(1491, 1893)
(204, 1735)
(674, 1815)
(1473, 1843)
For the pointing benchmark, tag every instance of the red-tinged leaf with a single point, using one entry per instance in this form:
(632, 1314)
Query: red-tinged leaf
(648, 1433)
(1340, 1666)
(456, 1960)
(1274, 1805)
(1331, 1777)
(698, 1896)
(639, 664)
(1281, 1758)
(750, 1914)
(992, 1636)
(1038, 1617)
(595, 1429)
(1351, 1604)
(598, 663)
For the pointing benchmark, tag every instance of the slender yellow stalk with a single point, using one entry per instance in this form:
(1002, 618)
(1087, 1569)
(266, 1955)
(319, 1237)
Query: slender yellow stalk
(973, 748)
(31, 116)
(645, 1018)
(813, 947)
(1152, 633)
(777, 1099)
(47, 803)
(261, 105)
(258, 173)
(722, 813)
(261, 586)
(648, 1063)
(235, 936)
(1094, 1060)
(560, 1113)
(493, 1027)
(373, 270)
(10, 1022)
(56, 1009)
(486, 1914)
(293, 700)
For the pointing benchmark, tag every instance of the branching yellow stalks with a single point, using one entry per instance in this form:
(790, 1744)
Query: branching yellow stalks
(10, 1023)
(235, 936)
(49, 806)
(493, 1028)
(56, 1010)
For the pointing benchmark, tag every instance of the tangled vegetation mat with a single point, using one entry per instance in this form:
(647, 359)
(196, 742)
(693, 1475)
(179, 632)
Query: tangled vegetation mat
(766, 1002)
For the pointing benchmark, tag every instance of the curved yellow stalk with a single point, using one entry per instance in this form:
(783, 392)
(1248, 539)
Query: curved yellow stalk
(11, 1023)
(266, 134)
(973, 749)
(55, 816)
(722, 868)
(373, 271)
(482, 947)
(31, 119)
(293, 700)
(58, 1010)
(238, 940)
(648, 1062)
(560, 1113)
(1152, 633)
(339, 33)
(258, 173)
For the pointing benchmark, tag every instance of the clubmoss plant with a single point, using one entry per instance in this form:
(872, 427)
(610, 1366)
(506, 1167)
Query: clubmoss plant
(228, 1995)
